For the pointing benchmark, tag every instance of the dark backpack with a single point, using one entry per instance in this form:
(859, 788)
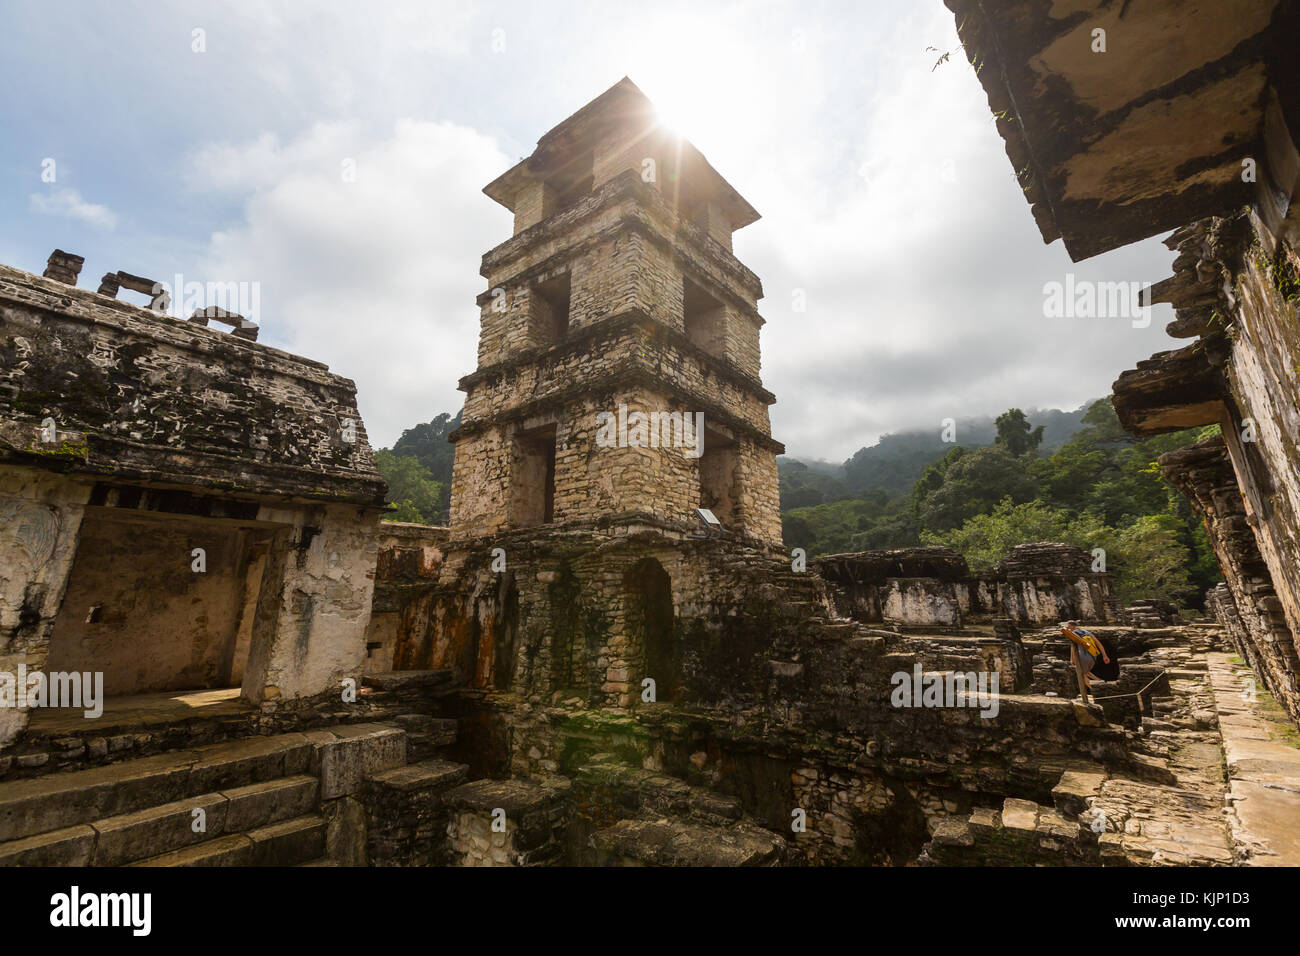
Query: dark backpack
(1101, 670)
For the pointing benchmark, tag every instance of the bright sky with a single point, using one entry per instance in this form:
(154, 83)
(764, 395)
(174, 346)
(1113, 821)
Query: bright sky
(888, 202)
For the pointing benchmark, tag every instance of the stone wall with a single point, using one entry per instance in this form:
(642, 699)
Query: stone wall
(507, 823)
(137, 395)
(224, 490)
(1246, 603)
(136, 610)
(566, 613)
(42, 513)
(1038, 583)
(1234, 289)
(1046, 582)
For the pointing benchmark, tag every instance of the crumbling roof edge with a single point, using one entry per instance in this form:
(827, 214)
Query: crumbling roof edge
(57, 290)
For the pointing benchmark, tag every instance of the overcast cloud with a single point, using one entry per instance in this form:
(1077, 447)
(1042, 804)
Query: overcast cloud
(888, 203)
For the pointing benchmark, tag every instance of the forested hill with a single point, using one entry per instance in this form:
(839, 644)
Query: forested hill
(897, 461)
(1101, 491)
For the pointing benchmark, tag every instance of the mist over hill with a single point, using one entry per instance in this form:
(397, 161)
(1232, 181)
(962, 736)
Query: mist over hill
(897, 460)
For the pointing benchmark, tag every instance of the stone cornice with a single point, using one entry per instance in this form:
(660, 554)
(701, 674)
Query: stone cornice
(630, 374)
(687, 241)
(610, 327)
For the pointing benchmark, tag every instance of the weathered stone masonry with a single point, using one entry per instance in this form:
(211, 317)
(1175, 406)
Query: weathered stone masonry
(577, 670)
(573, 573)
(1216, 114)
(932, 588)
(128, 439)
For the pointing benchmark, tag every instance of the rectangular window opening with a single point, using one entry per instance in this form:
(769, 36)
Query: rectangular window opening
(704, 318)
(718, 476)
(551, 312)
(532, 493)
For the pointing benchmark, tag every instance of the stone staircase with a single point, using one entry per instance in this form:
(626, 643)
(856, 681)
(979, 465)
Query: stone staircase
(1163, 805)
(289, 799)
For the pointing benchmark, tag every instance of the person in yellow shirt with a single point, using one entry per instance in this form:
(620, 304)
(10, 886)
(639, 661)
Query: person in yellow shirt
(1084, 650)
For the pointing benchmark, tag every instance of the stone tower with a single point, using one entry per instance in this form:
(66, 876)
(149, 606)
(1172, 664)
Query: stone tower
(617, 392)
(615, 323)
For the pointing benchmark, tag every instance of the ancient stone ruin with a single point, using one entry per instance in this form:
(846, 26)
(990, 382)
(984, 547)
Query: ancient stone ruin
(607, 657)
(1226, 188)
(183, 508)
(1036, 584)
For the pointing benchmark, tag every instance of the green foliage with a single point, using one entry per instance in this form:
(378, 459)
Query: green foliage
(803, 486)
(896, 461)
(411, 488)
(858, 524)
(1015, 435)
(1100, 489)
(427, 443)
(1153, 560)
(964, 484)
(1147, 558)
(986, 539)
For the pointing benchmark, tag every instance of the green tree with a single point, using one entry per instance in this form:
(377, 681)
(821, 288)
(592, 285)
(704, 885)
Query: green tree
(986, 539)
(964, 485)
(1152, 561)
(428, 444)
(1015, 436)
(411, 489)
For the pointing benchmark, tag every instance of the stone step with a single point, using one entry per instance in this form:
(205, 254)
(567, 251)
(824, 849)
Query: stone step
(287, 843)
(1151, 723)
(426, 735)
(660, 842)
(1151, 769)
(433, 776)
(127, 837)
(1076, 790)
(241, 809)
(44, 804)
(72, 846)
(232, 850)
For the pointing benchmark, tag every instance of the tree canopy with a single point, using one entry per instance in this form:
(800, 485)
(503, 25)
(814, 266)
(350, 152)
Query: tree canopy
(1101, 491)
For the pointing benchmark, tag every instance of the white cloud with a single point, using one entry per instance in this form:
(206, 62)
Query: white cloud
(376, 277)
(68, 203)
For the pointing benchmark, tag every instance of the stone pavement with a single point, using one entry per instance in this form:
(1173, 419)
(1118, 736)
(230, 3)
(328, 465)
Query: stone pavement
(1263, 756)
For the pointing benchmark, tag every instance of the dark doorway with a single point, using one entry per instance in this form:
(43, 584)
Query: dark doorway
(506, 627)
(649, 593)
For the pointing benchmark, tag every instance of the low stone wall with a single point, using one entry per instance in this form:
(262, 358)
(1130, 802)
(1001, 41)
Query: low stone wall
(1036, 584)
(407, 814)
